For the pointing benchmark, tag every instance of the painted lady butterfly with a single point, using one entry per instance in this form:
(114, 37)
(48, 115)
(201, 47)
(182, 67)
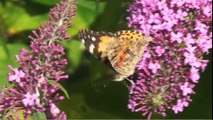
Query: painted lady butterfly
(123, 49)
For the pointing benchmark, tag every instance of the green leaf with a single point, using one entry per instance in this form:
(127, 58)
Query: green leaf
(13, 49)
(86, 14)
(3, 48)
(47, 2)
(75, 50)
(39, 116)
(20, 113)
(3, 54)
(18, 19)
(62, 88)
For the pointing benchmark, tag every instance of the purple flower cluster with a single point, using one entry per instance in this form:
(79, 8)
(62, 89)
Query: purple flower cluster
(35, 83)
(171, 65)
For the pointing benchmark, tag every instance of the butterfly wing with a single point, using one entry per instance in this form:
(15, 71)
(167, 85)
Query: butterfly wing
(97, 42)
(123, 49)
(128, 52)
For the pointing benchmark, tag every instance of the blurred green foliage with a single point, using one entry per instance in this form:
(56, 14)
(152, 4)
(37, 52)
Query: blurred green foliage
(19, 17)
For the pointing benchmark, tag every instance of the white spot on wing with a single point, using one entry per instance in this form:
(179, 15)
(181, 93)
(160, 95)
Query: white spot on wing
(83, 41)
(93, 39)
(91, 48)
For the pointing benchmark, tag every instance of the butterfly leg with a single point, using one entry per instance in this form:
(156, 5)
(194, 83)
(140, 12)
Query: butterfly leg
(127, 82)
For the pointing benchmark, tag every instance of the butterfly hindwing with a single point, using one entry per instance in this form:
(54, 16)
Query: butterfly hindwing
(132, 45)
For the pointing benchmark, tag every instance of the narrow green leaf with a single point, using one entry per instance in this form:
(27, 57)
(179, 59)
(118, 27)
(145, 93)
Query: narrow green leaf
(62, 88)
(39, 116)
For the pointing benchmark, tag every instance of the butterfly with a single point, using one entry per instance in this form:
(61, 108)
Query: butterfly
(122, 50)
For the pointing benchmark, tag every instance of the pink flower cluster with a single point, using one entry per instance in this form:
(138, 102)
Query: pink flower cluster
(171, 65)
(35, 83)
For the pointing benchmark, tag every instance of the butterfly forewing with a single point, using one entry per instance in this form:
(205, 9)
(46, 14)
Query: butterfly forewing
(96, 42)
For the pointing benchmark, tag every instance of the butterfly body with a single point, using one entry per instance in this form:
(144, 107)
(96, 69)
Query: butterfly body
(123, 49)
